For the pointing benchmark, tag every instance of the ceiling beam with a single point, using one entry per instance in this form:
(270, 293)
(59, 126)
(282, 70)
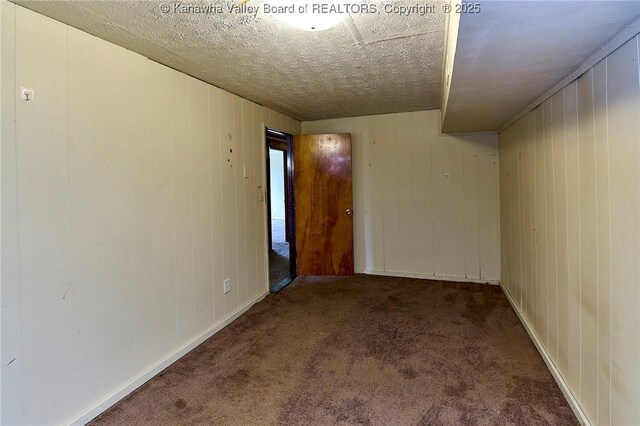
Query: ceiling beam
(451, 42)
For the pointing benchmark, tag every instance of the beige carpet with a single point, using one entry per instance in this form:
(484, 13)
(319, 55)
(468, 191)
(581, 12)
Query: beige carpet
(359, 350)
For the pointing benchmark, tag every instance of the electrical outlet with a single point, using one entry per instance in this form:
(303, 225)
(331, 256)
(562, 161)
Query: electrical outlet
(227, 285)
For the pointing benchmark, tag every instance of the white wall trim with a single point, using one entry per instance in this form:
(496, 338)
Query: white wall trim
(573, 403)
(125, 390)
(425, 276)
(629, 32)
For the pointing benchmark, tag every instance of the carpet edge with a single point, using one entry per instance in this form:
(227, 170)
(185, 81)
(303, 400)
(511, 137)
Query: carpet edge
(573, 402)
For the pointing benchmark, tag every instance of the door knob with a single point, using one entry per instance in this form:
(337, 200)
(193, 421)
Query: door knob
(348, 212)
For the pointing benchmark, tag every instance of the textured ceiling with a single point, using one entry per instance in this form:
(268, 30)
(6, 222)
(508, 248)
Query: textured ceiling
(513, 51)
(367, 64)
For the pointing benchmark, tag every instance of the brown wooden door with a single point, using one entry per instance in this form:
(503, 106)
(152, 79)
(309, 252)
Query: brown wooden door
(323, 199)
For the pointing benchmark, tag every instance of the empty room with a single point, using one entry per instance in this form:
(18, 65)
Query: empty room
(292, 212)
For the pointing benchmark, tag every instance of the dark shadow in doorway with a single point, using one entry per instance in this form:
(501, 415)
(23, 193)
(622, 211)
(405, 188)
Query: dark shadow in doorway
(279, 267)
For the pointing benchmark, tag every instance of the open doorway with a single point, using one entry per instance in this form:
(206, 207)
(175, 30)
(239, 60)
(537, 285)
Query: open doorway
(280, 209)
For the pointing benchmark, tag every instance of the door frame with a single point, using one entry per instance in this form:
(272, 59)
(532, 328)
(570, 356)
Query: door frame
(290, 206)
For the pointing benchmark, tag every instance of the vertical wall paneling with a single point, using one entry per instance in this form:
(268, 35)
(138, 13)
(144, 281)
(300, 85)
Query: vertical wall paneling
(603, 303)
(240, 285)
(228, 155)
(141, 240)
(560, 237)
(182, 206)
(488, 208)
(438, 250)
(360, 179)
(588, 234)
(200, 166)
(249, 197)
(163, 231)
(421, 192)
(83, 204)
(44, 214)
(623, 112)
(550, 227)
(398, 201)
(259, 152)
(504, 189)
(429, 203)
(541, 233)
(582, 297)
(137, 189)
(13, 362)
(216, 157)
(573, 235)
(392, 241)
(513, 172)
(525, 223)
(373, 241)
(404, 208)
(533, 293)
(470, 210)
(454, 208)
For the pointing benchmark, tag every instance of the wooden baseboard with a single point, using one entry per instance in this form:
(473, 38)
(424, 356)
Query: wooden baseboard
(138, 381)
(426, 276)
(573, 403)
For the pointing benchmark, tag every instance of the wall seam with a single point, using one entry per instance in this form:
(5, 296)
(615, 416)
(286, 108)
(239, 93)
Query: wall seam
(173, 199)
(521, 221)
(606, 105)
(597, 248)
(477, 161)
(151, 228)
(70, 191)
(211, 218)
(638, 66)
(222, 210)
(579, 244)
(133, 257)
(18, 221)
(546, 134)
(193, 273)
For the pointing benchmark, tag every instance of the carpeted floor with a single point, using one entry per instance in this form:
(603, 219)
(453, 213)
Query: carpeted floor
(359, 350)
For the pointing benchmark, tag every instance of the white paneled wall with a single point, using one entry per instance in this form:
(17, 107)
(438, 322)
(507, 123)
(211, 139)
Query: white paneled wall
(426, 204)
(570, 191)
(129, 192)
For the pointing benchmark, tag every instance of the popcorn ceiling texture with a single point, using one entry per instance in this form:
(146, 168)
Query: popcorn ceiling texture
(367, 64)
